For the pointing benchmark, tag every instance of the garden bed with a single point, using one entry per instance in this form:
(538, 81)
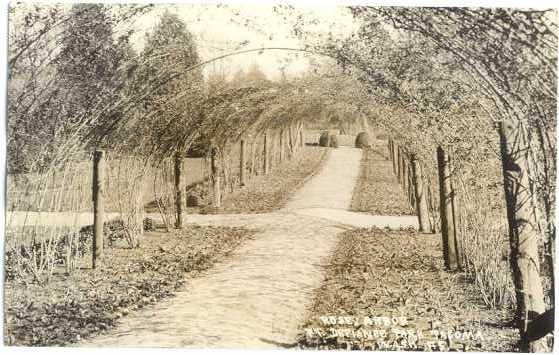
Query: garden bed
(73, 307)
(266, 193)
(377, 190)
(375, 275)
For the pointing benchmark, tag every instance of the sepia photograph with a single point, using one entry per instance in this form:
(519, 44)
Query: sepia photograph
(279, 176)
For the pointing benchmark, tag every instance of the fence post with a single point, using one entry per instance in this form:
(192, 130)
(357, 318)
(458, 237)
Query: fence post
(447, 220)
(292, 140)
(456, 220)
(399, 165)
(394, 158)
(523, 233)
(242, 172)
(420, 200)
(178, 190)
(403, 175)
(431, 203)
(281, 142)
(98, 205)
(266, 153)
(253, 167)
(216, 177)
(411, 186)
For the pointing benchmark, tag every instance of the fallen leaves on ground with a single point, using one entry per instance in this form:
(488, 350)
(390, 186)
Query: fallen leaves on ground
(73, 307)
(375, 273)
(266, 193)
(377, 191)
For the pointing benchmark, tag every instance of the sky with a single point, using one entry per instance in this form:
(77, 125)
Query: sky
(219, 30)
(222, 29)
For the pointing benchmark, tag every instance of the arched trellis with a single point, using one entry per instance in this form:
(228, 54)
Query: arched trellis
(406, 140)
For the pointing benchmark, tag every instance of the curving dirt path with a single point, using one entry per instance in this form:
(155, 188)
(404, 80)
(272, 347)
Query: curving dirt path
(259, 297)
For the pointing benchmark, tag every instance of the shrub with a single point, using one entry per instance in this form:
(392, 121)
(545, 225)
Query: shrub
(113, 230)
(149, 224)
(362, 140)
(192, 200)
(333, 141)
(55, 247)
(324, 140)
(198, 149)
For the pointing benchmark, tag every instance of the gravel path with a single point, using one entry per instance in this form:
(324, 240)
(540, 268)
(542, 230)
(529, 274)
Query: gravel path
(259, 297)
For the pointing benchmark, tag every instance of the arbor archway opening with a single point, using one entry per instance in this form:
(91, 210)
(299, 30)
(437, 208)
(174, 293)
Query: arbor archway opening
(443, 87)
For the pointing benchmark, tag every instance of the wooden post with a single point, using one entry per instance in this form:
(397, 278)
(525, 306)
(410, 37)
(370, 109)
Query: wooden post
(228, 185)
(420, 198)
(178, 190)
(395, 158)
(403, 175)
(216, 177)
(411, 186)
(541, 325)
(253, 167)
(281, 144)
(399, 166)
(447, 222)
(292, 140)
(242, 167)
(266, 155)
(523, 233)
(431, 203)
(273, 150)
(302, 136)
(98, 205)
(404, 170)
(456, 227)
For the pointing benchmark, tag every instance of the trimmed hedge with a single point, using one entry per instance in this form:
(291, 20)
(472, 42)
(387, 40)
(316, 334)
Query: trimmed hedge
(362, 140)
(324, 140)
(334, 141)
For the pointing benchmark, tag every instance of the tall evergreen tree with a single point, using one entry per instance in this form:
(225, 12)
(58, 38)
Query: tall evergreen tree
(90, 73)
(168, 57)
(88, 59)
